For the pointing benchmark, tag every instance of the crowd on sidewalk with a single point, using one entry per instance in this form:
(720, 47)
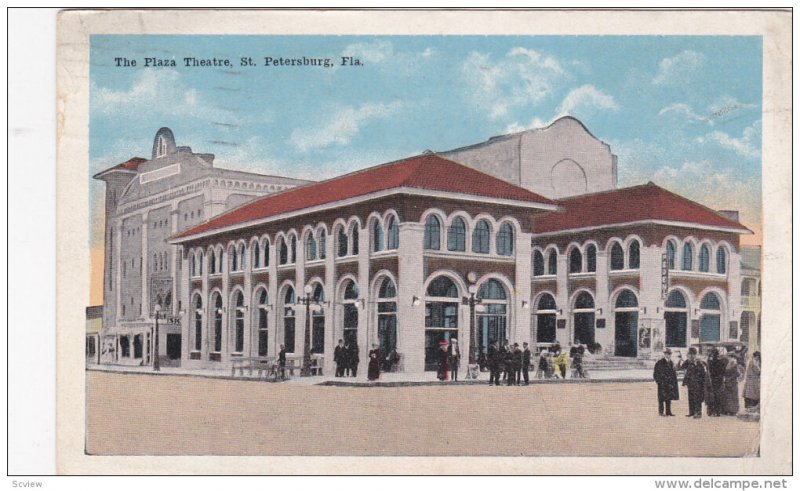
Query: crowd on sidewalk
(715, 382)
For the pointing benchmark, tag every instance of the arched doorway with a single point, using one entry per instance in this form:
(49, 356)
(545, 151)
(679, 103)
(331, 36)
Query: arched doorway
(546, 319)
(288, 319)
(583, 319)
(626, 322)
(262, 324)
(676, 320)
(387, 317)
(350, 313)
(215, 354)
(441, 317)
(710, 318)
(492, 318)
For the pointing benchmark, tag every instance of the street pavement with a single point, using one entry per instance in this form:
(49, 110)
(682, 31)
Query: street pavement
(173, 414)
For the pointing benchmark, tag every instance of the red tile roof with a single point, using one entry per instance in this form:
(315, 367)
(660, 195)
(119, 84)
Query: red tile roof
(130, 164)
(426, 172)
(634, 204)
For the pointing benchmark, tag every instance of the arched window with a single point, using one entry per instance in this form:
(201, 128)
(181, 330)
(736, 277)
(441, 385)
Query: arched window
(457, 235)
(710, 319)
(212, 262)
(354, 240)
(377, 236)
(220, 258)
(552, 262)
(387, 317)
(492, 317)
(626, 322)
(505, 240)
(323, 245)
(283, 251)
(676, 320)
(538, 263)
(234, 258)
(686, 257)
(217, 303)
(393, 231)
(670, 254)
(192, 264)
(583, 319)
(433, 233)
(546, 319)
(200, 263)
(350, 317)
(293, 249)
(617, 257)
(262, 322)
(575, 260)
(318, 320)
(288, 319)
(311, 247)
(441, 317)
(266, 253)
(155, 262)
(256, 256)
(591, 258)
(198, 323)
(633, 255)
(242, 257)
(721, 260)
(481, 236)
(341, 242)
(704, 258)
(238, 319)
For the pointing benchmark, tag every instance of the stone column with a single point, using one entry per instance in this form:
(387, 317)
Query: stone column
(187, 343)
(228, 309)
(603, 336)
(144, 272)
(300, 311)
(523, 273)
(411, 318)
(247, 348)
(208, 318)
(563, 336)
(364, 252)
(330, 309)
(274, 317)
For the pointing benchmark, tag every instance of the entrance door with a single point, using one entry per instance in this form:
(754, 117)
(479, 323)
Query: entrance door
(584, 328)
(625, 325)
(174, 346)
(709, 328)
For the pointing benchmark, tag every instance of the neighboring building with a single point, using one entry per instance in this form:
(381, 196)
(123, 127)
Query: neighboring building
(94, 324)
(147, 201)
(563, 159)
(751, 297)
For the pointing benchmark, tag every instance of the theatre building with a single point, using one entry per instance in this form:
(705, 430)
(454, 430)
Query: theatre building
(386, 254)
(636, 270)
(390, 255)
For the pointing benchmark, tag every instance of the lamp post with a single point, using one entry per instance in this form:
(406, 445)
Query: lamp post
(474, 305)
(308, 301)
(156, 363)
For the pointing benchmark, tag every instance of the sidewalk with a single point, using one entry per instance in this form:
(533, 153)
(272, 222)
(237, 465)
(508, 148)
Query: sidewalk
(386, 380)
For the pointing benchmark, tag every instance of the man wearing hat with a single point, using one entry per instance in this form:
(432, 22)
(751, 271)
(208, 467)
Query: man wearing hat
(444, 361)
(667, 380)
(454, 359)
(695, 381)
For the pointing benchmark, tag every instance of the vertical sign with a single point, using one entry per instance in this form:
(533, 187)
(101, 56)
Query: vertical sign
(664, 276)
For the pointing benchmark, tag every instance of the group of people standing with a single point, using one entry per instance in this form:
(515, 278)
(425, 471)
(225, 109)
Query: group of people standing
(509, 362)
(346, 358)
(715, 382)
(554, 362)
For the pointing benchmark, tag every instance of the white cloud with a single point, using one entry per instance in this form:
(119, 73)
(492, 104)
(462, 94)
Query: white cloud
(374, 52)
(720, 110)
(523, 77)
(585, 97)
(152, 92)
(684, 111)
(342, 126)
(674, 70)
(427, 53)
(580, 102)
(748, 145)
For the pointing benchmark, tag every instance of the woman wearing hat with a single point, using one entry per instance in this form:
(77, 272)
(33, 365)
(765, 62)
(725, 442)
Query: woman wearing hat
(374, 367)
(667, 380)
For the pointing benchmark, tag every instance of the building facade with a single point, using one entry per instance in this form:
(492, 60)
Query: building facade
(751, 296)
(146, 202)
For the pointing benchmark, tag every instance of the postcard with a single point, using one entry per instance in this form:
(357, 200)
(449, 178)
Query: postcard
(393, 242)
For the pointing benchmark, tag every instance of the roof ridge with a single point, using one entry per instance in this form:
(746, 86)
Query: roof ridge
(608, 191)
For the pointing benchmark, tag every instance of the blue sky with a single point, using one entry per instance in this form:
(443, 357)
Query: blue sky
(684, 112)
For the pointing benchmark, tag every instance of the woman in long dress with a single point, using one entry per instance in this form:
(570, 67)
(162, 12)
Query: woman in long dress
(730, 387)
(374, 367)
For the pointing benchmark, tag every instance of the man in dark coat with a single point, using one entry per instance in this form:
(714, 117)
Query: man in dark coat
(516, 364)
(444, 362)
(526, 362)
(353, 359)
(454, 358)
(695, 382)
(716, 372)
(510, 365)
(282, 361)
(667, 380)
(494, 364)
(338, 358)
(502, 360)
